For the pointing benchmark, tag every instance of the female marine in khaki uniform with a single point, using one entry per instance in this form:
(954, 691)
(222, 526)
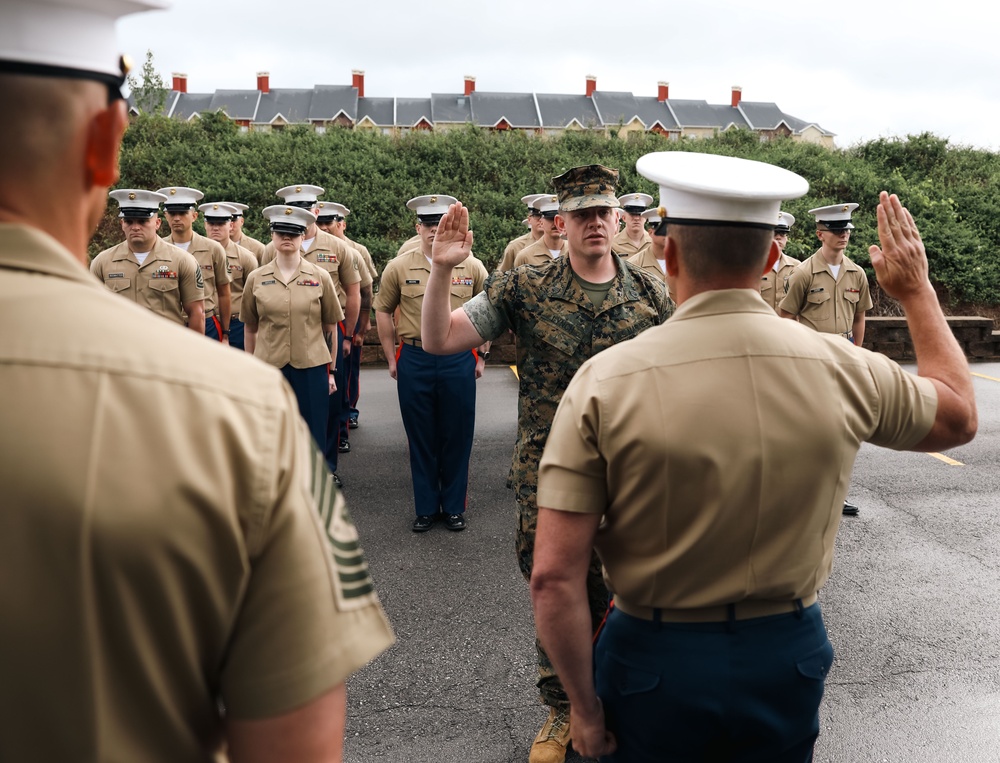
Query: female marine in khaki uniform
(287, 305)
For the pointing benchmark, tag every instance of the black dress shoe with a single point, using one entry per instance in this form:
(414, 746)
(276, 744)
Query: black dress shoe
(422, 524)
(850, 510)
(352, 422)
(344, 446)
(336, 480)
(454, 522)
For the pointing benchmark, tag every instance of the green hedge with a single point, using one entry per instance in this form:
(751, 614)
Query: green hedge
(953, 192)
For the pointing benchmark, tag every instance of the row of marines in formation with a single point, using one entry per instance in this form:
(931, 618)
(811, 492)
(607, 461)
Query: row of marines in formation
(202, 283)
(300, 328)
(205, 291)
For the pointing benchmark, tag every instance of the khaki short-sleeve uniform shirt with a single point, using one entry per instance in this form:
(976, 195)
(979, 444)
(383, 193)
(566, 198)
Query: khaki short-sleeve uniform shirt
(332, 255)
(366, 258)
(537, 253)
(409, 245)
(557, 329)
(774, 283)
(825, 303)
(404, 282)
(211, 258)
(514, 248)
(167, 280)
(255, 247)
(289, 316)
(704, 497)
(167, 547)
(240, 263)
(622, 245)
(646, 260)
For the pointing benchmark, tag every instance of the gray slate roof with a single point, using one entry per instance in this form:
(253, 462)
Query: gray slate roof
(561, 110)
(653, 112)
(692, 113)
(763, 116)
(330, 101)
(236, 104)
(518, 109)
(292, 104)
(615, 107)
(727, 116)
(409, 111)
(190, 104)
(486, 109)
(451, 107)
(381, 111)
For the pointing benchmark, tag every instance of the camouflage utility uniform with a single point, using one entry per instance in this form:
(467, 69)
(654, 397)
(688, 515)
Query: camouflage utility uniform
(557, 330)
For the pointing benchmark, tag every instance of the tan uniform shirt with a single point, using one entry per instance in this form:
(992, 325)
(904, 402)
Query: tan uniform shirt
(514, 248)
(409, 245)
(646, 260)
(774, 283)
(289, 316)
(256, 247)
(537, 253)
(212, 259)
(366, 258)
(823, 303)
(240, 263)
(169, 278)
(707, 502)
(166, 548)
(335, 257)
(622, 245)
(404, 282)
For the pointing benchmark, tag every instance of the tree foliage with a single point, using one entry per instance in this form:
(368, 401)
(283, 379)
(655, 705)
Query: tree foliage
(953, 192)
(148, 93)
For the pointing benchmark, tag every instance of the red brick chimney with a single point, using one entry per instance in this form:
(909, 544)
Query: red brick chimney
(591, 85)
(264, 82)
(180, 83)
(358, 81)
(662, 91)
(470, 85)
(737, 94)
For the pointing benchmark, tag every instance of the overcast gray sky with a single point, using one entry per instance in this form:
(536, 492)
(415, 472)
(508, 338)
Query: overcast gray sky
(861, 69)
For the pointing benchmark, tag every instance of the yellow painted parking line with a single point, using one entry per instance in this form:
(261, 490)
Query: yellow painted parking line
(984, 376)
(514, 369)
(949, 461)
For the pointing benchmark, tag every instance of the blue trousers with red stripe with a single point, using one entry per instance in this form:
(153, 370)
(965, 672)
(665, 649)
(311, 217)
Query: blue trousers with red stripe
(213, 328)
(331, 442)
(353, 390)
(437, 400)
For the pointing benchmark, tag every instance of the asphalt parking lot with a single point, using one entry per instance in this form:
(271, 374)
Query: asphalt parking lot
(912, 607)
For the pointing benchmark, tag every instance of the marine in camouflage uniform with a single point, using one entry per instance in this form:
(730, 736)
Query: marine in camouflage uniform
(558, 328)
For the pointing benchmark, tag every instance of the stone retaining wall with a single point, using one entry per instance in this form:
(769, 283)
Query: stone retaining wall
(890, 336)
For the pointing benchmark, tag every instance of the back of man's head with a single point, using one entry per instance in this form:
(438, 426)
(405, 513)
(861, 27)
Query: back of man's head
(706, 253)
(60, 82)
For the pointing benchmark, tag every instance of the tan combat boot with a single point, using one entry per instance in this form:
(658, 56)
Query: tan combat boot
(551, 743)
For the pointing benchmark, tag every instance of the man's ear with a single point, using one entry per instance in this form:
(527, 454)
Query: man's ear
(670, 257)
(560, 223)
(772, 256)
(104, 141)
